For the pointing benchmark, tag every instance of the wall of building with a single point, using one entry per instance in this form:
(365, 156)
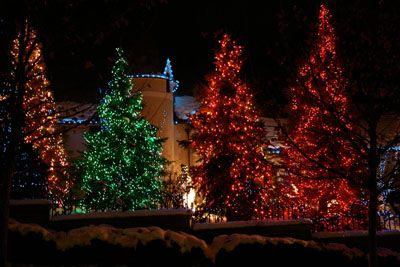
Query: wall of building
(158, 109)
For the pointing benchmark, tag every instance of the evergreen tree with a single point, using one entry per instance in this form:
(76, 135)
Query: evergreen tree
(40, 117)
(232, 176)
(321, 150)
(123, 163)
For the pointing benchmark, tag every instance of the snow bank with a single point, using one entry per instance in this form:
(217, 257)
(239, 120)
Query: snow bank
(225, 250)
(349, 252)
(25, 229)
(127, 238)
(232, 242)
(385, 253)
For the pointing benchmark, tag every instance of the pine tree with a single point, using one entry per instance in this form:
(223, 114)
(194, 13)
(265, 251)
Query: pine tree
(321, 152)
(40, 114)
(232, 175)
(123, 163)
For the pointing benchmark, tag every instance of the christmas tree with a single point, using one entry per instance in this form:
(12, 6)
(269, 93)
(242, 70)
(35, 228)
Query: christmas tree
(321, 153)
(40, 114)
(123, 163)
(232, 176)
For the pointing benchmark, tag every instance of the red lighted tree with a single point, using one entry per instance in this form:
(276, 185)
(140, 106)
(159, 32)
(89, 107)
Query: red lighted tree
(40, 112)
(232, 176)
(322, 150)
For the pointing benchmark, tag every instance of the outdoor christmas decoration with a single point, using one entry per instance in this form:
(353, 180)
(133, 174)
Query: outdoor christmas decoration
(321, 152)
(233, 176)
(122, 165)
(40, 114)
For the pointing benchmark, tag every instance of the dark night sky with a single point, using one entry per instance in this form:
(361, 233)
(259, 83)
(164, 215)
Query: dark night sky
(79, 38)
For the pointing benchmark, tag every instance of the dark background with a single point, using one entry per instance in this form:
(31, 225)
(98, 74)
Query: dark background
(79, 38)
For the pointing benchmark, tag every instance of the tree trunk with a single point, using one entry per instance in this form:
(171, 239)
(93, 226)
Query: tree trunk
(372, 225)
(373, 162)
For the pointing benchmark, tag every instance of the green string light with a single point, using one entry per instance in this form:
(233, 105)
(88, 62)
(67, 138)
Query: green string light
(122, 166)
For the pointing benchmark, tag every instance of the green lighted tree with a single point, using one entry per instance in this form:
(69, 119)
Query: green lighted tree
(122, 164)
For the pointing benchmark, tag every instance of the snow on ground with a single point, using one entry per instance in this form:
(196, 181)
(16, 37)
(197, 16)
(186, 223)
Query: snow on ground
(231, 242)
(349, 252)
(127, 238)
(384, 252)
(130, 238)
(25, 229)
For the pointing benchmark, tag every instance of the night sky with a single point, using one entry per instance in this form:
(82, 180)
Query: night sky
(80, 36)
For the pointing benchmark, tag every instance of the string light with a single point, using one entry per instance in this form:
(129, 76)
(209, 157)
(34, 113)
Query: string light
(168, 69)
(122, 165)
(162, 123)
(319, 110)
(233, 176)
(41, 116)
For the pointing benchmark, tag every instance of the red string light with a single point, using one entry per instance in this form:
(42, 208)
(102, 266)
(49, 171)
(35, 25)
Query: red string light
(319, 112)
(233, 175)
(41, 116)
